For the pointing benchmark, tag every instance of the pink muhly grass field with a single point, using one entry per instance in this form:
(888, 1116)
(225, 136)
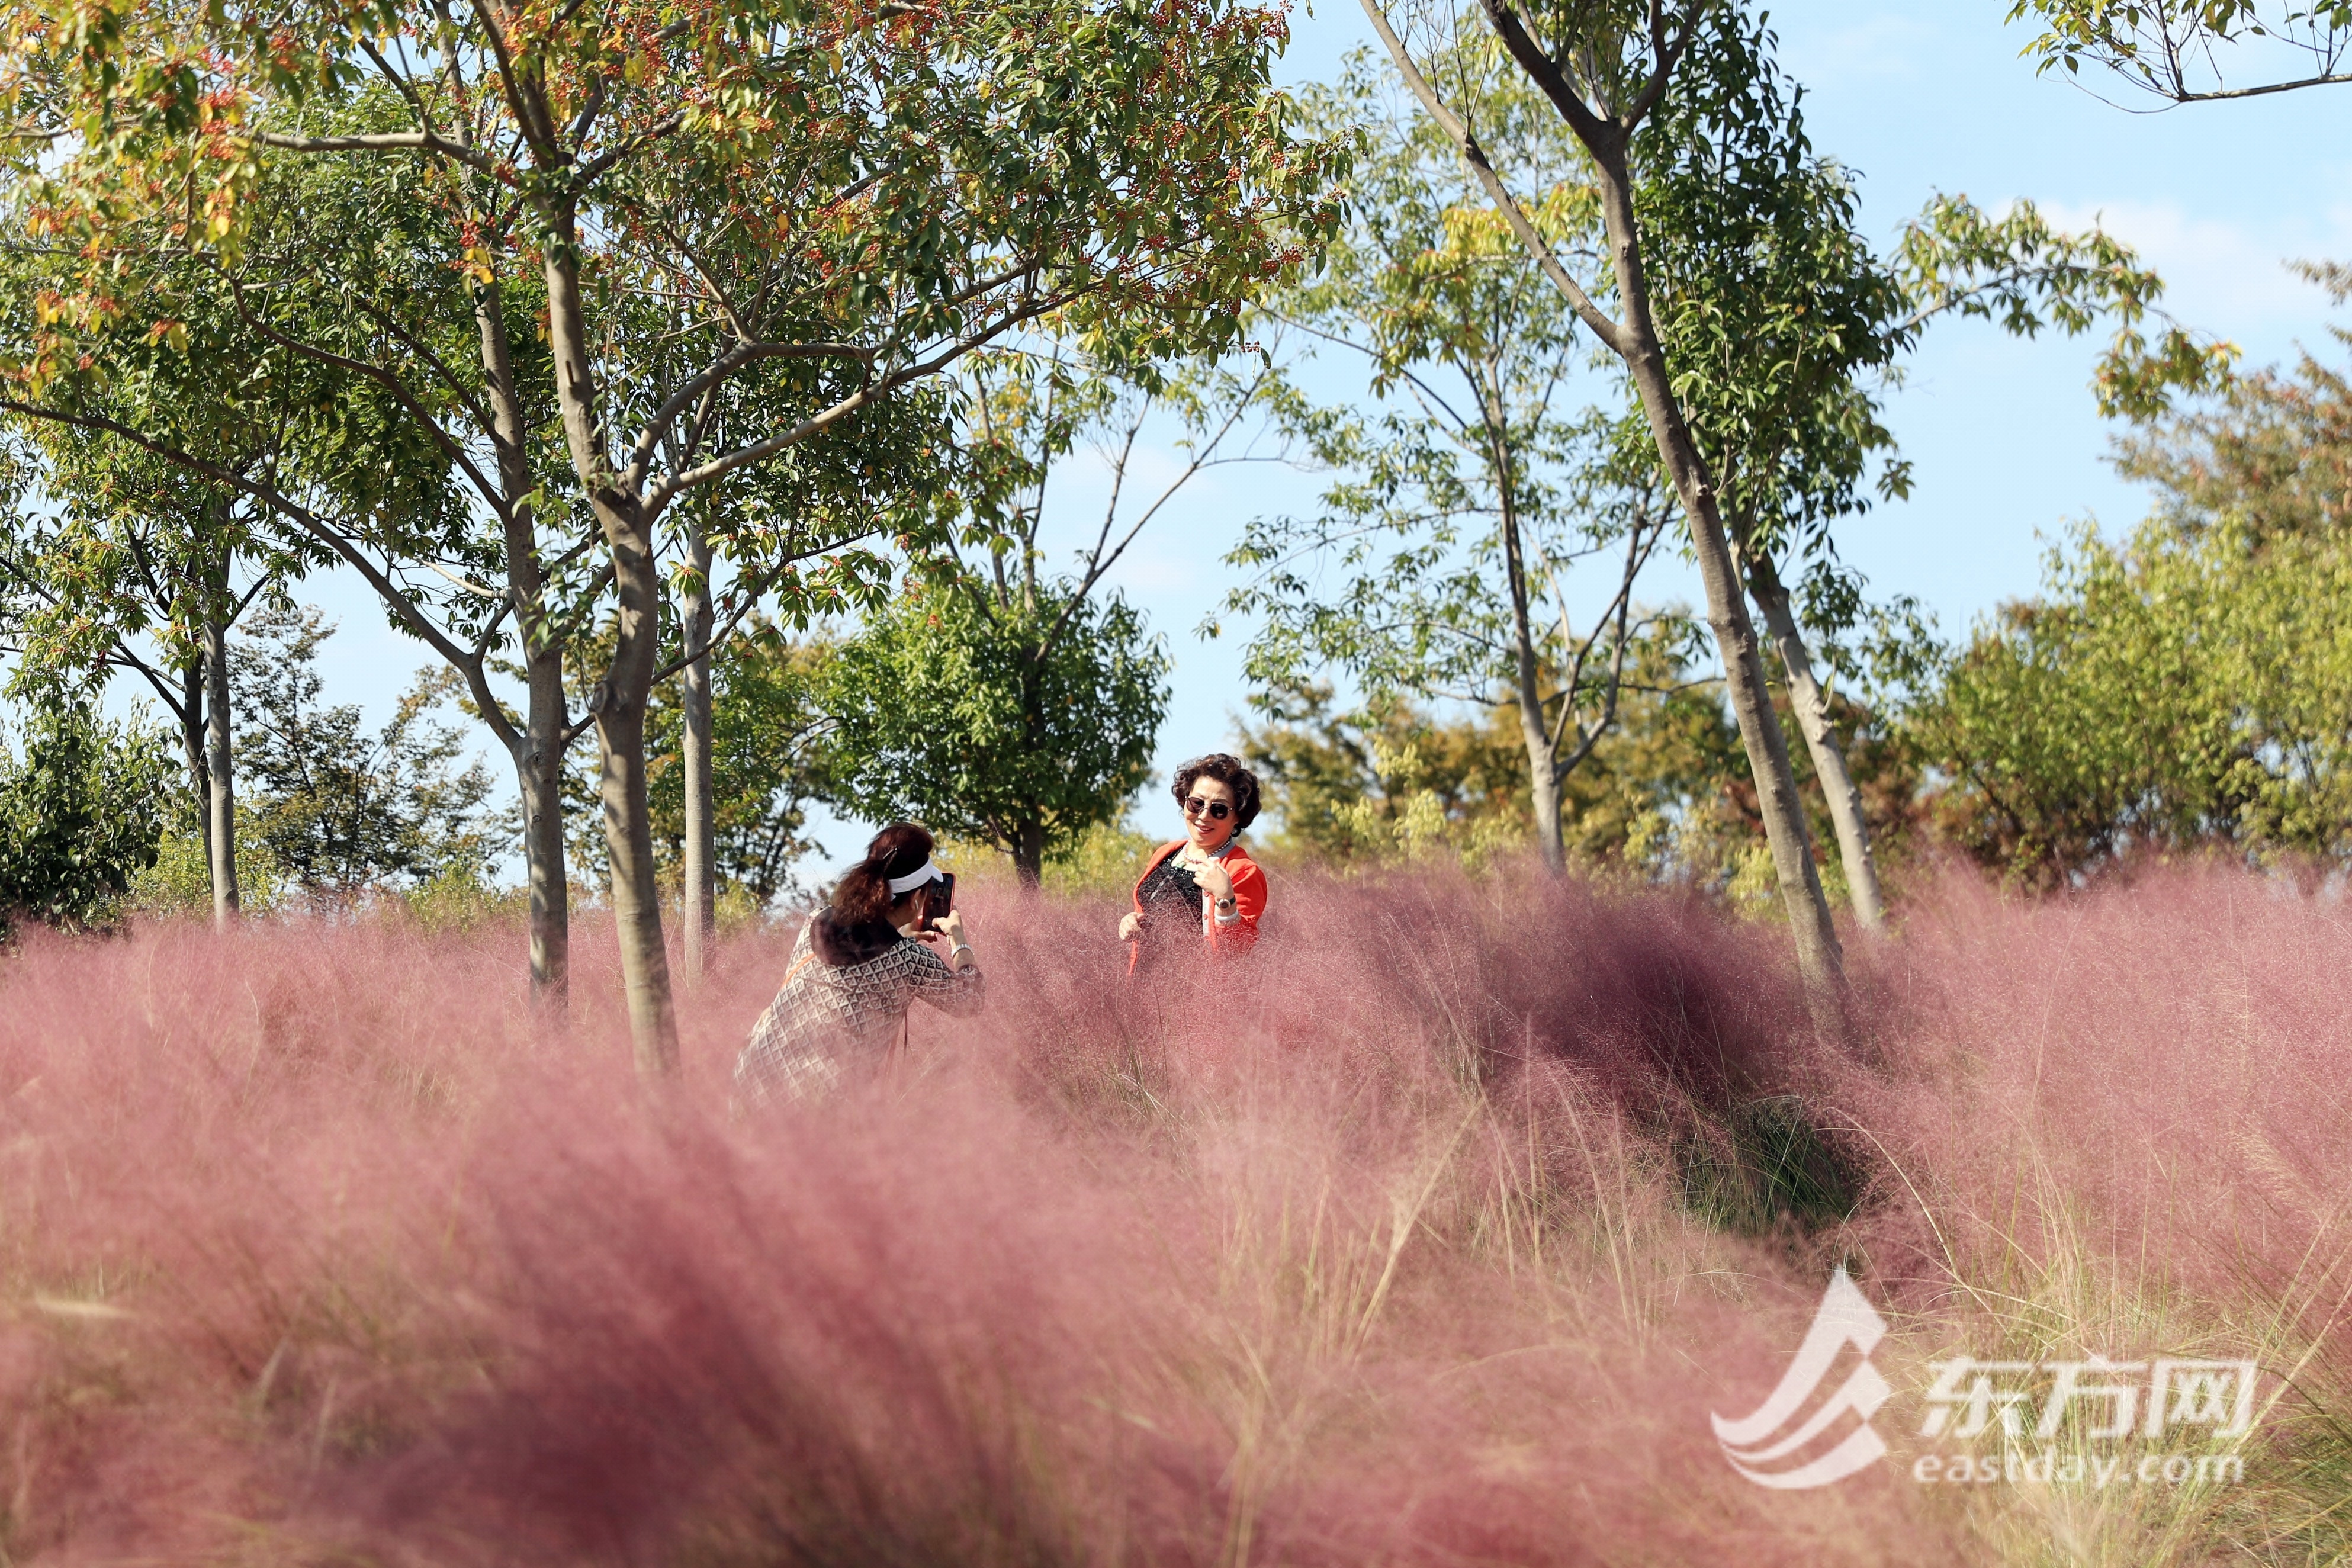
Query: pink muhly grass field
(2159, 1076)
(318, 1245)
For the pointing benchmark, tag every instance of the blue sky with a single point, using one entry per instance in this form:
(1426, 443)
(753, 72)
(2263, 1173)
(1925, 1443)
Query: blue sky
(1914, 97)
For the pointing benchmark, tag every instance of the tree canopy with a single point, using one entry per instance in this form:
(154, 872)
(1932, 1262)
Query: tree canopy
(748, 229)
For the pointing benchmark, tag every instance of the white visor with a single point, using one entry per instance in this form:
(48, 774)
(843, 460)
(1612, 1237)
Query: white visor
(926, 872)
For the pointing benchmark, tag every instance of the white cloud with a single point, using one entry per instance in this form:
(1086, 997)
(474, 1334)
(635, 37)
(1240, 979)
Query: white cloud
(2225, 277)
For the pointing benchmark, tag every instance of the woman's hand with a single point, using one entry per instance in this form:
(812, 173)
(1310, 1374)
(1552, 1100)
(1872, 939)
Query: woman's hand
(947, 941)
(1214, 879)
(1130, 924)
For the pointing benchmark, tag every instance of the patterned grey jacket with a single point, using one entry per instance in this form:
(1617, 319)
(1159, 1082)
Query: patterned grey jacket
(830, 1023)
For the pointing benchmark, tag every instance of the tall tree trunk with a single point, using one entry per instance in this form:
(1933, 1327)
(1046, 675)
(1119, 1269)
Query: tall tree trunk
(1029, 853)
(192, 746)
(220, 766)
(540, 775)
(539, 750)
(1029, 833)
(1812, 710)
(1543, 771)
(620, 699)
(1543, 784)
(628, 822)
(629, 840)
(701, 875)
(1815, 934)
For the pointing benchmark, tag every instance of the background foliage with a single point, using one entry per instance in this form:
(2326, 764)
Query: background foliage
(946, 715)
(82, 805)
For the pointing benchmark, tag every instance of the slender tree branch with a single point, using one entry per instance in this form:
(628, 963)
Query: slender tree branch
(1539, 249)
(1666, 53)
(530, 118)
(648, 442)
(1098, 564)
(467, 583)
(1590, 128)
(588, 111)
(588, 172)
(450, 446)
(815, 423)
(1637, 555)
(387, 141)
(400, 84)
(449, 377)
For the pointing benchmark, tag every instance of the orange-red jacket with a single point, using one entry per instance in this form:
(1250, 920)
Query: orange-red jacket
(1231, 938)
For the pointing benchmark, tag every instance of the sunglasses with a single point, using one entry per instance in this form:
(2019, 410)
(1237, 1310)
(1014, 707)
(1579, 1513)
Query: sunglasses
(1217, 809)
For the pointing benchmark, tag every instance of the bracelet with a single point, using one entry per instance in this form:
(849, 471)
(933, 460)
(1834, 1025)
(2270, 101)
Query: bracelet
(959, 947)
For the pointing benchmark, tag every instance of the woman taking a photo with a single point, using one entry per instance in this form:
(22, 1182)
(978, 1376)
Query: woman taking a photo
(858, 965)
(1203, 882)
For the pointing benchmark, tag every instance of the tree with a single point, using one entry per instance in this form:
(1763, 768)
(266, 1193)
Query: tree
(81, 809)
(1802, 451)
(1778, 321)
(130, 566)
(1038, 779)
(432, 374)
(2173, 692)
(1663, 98)
(1464, 500)
(1605, 68)
(342, 812)
(1786, 327)
(1011, 709)
(2175, 48)
(824, 209)
(278, 403)
(170, 571)
(1775, 325)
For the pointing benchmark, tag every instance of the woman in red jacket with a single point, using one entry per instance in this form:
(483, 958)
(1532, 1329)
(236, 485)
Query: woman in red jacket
(1205, 880)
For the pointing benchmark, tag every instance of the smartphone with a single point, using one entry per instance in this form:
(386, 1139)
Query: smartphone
(941, 899)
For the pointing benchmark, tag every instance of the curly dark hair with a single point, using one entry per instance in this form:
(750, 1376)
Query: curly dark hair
(1227, 771)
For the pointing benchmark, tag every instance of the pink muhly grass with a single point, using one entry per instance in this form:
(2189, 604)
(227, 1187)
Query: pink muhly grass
(2158, 1074)
(319, 1242)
